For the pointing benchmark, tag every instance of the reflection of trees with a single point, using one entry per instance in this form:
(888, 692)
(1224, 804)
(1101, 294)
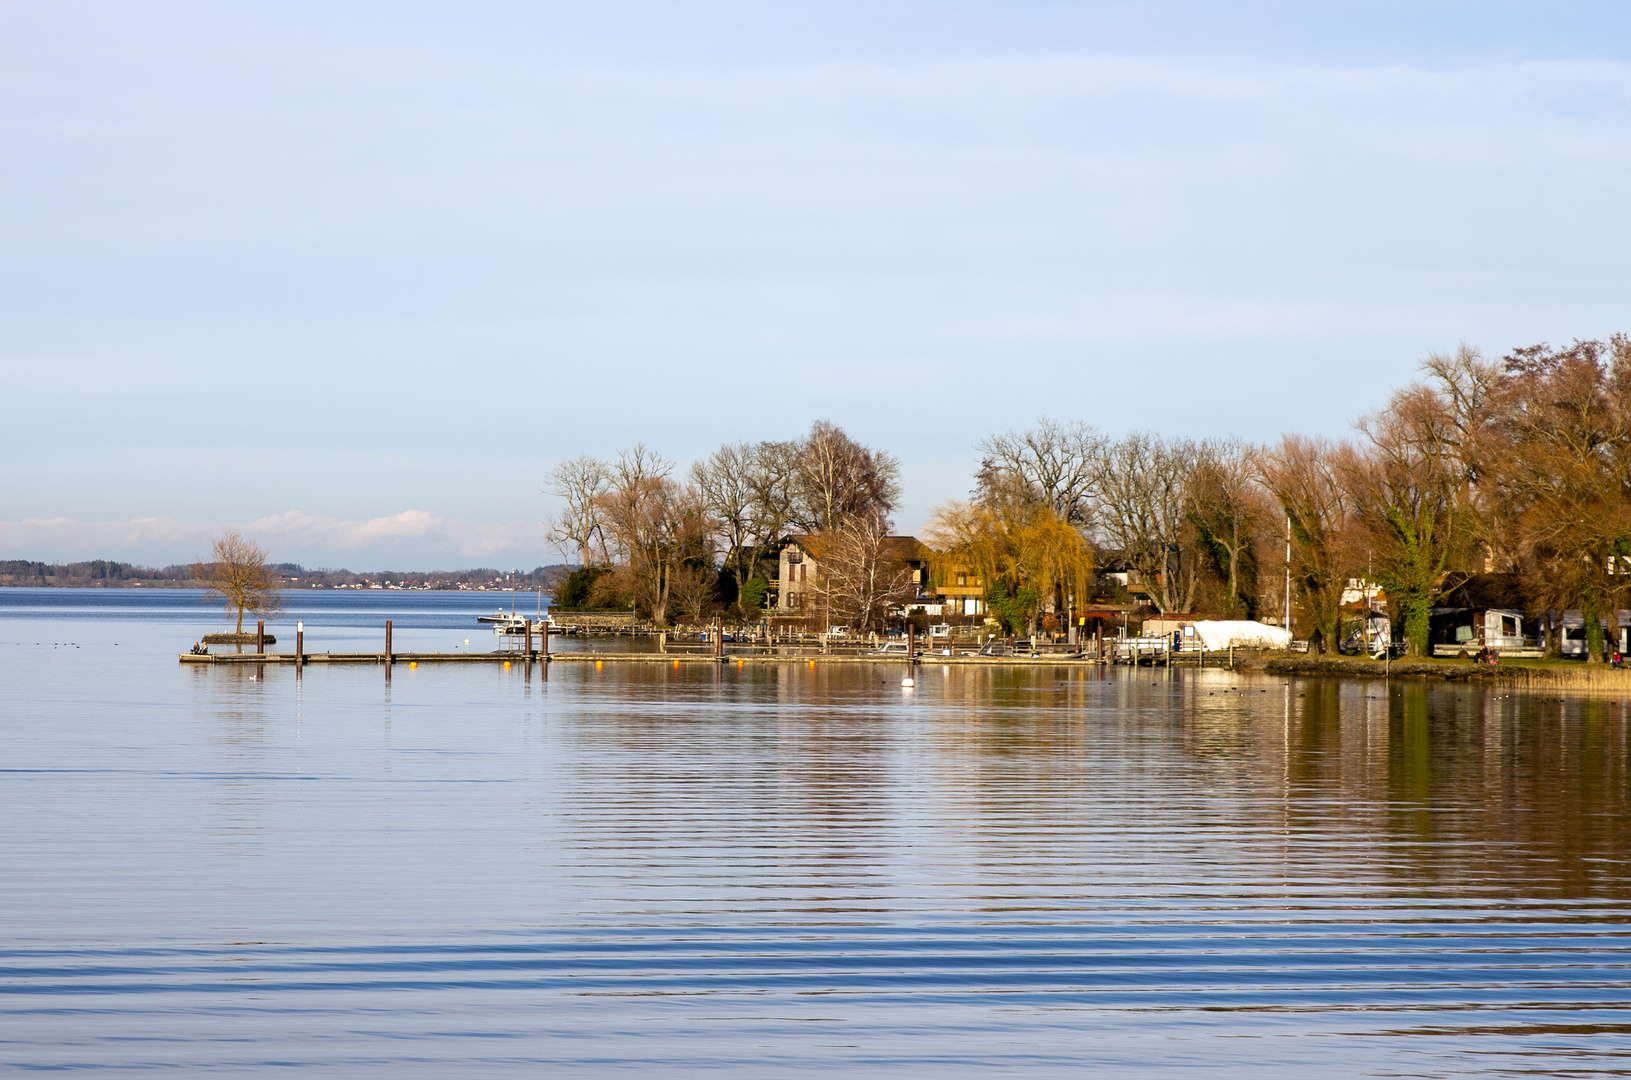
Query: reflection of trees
(1331, 787)
(1457, 790)
(827, 788)
(1531, 793)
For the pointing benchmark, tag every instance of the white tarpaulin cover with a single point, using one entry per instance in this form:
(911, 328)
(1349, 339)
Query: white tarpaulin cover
(1242, 634)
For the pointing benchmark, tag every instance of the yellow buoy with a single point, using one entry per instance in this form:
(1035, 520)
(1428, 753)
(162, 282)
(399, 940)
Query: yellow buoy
(506, 664)
(413, 663)
(599, 664)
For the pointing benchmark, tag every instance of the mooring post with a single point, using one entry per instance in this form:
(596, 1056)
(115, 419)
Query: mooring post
(543, 644)
(299, 644)
(390, 657)
(911, 640)
(529, 641)
(260, 636)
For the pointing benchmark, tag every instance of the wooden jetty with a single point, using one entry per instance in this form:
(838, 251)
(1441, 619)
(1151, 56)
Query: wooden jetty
(718, 652)
(667, 658)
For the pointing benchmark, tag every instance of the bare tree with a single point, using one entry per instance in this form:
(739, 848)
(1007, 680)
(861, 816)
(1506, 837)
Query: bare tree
(693, 592)
(1142, 487)
(238, 575)
(1401, 489)
(1052, 464)
(862, 572)
(773, 478)
(1302, 476)
(1565, 421)
(836, 478)
(725, 479)
(637, 518)
(580, 483)
(1227, 510)
(655, 526)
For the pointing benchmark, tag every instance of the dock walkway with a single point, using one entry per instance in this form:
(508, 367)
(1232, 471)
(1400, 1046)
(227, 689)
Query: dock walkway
(669, 658)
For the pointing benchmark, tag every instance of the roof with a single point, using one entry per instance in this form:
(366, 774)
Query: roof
(904, 548)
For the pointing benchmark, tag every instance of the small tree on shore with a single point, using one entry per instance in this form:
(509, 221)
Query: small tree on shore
(237, 574)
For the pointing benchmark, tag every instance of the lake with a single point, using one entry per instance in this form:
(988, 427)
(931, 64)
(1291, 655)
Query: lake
(785, 870)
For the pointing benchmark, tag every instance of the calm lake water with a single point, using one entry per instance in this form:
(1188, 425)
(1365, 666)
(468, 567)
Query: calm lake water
(775, 871)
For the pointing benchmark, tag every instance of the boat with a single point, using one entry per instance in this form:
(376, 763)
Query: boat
(520, 624)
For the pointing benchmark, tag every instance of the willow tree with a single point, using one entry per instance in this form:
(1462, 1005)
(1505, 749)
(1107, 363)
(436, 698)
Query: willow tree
(1022, 548)
(237, 574)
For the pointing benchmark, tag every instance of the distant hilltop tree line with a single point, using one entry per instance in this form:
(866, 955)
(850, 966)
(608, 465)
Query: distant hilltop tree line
(90, 574)
(104, 573)
(1519, 466)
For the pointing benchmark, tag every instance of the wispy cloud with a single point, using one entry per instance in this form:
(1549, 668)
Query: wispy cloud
(412, 538)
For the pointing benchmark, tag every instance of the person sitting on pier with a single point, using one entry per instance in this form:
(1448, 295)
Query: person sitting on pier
(200, 649)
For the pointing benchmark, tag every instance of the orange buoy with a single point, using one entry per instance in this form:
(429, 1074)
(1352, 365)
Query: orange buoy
(413, 663)
(506, 665)
(599, 664)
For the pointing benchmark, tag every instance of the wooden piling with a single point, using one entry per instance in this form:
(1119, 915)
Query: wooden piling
(529, 641)
(299, 646)
(260, 635)
(389, 655)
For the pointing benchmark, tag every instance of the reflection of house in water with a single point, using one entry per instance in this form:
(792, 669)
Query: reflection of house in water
(1482, 611)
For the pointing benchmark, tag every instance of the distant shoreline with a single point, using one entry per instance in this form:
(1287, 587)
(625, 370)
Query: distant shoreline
(161, 584)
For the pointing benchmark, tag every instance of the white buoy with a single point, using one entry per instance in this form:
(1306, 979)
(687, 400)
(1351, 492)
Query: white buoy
(908, 683)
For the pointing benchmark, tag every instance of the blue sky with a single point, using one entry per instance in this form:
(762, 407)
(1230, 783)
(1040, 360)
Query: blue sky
(352, 276)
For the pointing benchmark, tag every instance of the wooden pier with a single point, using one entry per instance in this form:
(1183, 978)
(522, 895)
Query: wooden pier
(664, 658)
(716, 651)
